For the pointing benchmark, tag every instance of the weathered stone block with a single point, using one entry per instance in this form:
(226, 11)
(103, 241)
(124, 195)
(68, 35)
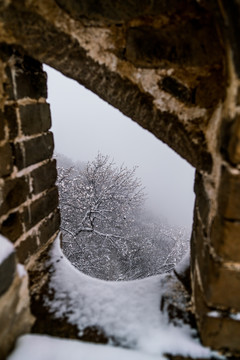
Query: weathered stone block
(41, 207)
(215, 277)
(234, 142)
(225, 238)
(202, 201)
(27, 247)
(15, 316)
(229, 194)
(221, 333)
(11, 118)
(2, 123)
(6, 163)
(12, 227)
(151, 47)
(49, 227)
(8, 85)
(7, 272)
(33, 151)
(177, 89)
(14, 193)
(44, 177)
(35, 118)
(200, 306)
(30, 79)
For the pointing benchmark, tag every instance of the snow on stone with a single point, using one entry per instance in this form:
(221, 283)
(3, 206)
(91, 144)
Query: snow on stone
(218, 314)
(6, 248)
(183, 265)
(128, 311)
(235, 316)
(39, 347)
(214, 314)
(21, 270)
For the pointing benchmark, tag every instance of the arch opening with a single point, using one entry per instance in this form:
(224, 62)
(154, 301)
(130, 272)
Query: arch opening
(154, 236)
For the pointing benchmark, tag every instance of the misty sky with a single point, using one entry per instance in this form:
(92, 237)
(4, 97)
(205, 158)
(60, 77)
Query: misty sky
(83, 124)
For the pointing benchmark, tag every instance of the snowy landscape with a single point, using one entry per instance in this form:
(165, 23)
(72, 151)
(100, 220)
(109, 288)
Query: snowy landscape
(108, 232)
(127, 311)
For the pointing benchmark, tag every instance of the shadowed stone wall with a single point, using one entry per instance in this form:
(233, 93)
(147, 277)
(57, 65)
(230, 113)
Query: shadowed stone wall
(173, 67)
(29, 217)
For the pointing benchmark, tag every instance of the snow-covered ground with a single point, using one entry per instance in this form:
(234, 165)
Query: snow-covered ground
(128, 311)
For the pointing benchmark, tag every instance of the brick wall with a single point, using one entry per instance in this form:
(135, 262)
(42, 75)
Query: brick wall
(28, 209)
(216, 241)
(29, 215)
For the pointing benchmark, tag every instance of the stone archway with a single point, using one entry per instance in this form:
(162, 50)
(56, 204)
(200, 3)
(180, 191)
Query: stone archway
(173, 68)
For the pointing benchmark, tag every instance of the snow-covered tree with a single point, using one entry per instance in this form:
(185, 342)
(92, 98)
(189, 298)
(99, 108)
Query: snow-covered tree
(102, 199)
(106, 231)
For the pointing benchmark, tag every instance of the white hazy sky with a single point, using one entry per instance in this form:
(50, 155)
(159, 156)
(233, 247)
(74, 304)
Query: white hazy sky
(83, 124)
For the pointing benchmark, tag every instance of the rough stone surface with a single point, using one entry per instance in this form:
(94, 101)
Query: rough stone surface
(33, 151)
(221, 333)
(15, 316)
(30, 80)
(229, 194)
(214, 277)
(12, 227)
(13, 193)
(225, 237)
(44, 177)
(35, 118)
(234, 142)
(11, 119)
(6, 162)
(41, 207)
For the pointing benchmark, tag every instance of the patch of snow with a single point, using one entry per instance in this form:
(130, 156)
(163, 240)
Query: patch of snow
(183, 265)
(128, 311)
(218, 314)
(39, 347)
(235, 316)
(214, 314)
(6, 248)
(21, 270)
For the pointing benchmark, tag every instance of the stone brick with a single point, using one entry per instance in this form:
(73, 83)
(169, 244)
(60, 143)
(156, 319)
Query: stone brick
(215, 278)
(2, 123)
(15, 316)
(35, 118)
(202, 201)
(234, 142)
(225, 238)
(26, 248)
(200, 306)
(8, 85)
(177, 89)
(6, 163)
(14, 193)
(44, 177)
(49, 227)
(221, 333)
(30, 80)
(151, 47)
(7, 272)
(12, 227)
(229, 195)
(40, 208)
(11, 118)
(33, 151)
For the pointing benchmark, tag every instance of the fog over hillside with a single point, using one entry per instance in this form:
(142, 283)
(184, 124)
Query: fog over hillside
(83, 124)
